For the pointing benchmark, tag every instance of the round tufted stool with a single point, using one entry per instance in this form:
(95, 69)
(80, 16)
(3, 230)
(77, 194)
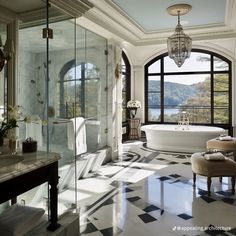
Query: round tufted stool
(222, 145)
(223, 168)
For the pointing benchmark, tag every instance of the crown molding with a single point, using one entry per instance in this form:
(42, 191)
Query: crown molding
(6, 16)
(110, 24)
(74, 8)
(108, 15)
(61, 10)
(38, 17)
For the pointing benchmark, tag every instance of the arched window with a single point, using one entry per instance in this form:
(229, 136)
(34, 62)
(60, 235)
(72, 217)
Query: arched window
(79, 90)
(125, 71)
(201, 87)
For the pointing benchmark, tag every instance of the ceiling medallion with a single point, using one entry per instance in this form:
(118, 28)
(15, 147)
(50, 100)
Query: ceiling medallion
(179, 44)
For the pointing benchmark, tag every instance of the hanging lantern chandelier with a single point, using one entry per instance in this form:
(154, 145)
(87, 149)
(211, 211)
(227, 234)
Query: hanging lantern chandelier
(179, 44)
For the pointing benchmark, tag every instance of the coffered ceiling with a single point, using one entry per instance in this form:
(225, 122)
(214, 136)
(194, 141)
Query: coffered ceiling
(145, 22)
(152, 16)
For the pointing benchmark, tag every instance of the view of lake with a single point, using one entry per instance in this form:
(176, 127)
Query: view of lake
(156, 112)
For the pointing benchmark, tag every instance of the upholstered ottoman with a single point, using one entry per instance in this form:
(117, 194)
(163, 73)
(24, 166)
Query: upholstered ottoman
(222, 145)
(212, 168)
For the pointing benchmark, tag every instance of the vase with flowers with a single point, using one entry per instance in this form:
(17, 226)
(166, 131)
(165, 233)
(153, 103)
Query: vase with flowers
(9, 122)
(133, 105)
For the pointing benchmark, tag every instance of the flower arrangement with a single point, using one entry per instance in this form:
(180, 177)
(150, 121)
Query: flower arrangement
(133, 105)
(11, 119)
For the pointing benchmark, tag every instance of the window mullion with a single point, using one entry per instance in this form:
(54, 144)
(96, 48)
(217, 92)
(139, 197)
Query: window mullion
(162, 90)
(212, 89)
(83, 89)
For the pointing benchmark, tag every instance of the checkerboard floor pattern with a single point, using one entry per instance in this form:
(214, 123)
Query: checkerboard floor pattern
(147, 192)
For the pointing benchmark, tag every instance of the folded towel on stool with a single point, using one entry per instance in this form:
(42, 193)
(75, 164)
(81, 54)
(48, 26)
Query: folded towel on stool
(17, 220)
(217, 156)
(225, 138)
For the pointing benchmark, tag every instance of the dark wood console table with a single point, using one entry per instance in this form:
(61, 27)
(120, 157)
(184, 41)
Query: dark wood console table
(19, 176)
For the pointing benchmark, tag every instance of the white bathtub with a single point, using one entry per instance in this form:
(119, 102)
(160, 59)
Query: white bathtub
(173, 138)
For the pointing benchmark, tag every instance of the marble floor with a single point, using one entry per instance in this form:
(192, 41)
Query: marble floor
(148, 193)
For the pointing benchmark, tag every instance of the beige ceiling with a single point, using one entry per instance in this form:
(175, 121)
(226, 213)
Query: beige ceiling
(19, 6)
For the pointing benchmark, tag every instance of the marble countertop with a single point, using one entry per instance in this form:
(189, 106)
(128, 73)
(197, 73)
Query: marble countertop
(12, 166)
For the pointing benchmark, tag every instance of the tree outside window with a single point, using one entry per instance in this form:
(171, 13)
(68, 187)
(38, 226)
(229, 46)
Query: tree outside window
(201, 87)
(79, 91)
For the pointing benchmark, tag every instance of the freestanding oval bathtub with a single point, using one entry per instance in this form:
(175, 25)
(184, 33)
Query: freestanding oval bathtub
(174, 138)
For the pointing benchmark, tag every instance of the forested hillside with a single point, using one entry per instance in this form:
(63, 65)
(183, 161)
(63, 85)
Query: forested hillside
(195, 99)
(175, 94)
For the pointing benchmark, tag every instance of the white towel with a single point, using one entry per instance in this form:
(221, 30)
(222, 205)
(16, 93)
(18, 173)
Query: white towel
(17, 220)
(217, 156)
(76, 134)
(225, 138)
(34, 131)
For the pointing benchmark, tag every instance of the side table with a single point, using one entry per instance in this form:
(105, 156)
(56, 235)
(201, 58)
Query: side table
(134, 128)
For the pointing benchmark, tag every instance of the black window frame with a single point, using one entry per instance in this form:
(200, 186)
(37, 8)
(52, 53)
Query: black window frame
(68, 66)
(127, 74)
(212, 72)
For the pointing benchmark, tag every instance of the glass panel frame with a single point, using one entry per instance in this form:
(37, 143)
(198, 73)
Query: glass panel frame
(154, 83)
(155, 67)
(200, 60)
(154, 114)
(221, 82)
(220, 64)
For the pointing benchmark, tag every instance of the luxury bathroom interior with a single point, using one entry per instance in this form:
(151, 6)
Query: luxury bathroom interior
(71, 67)
(57, 80)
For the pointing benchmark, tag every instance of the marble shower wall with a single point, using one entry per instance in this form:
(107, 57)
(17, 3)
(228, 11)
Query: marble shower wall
(27, 85)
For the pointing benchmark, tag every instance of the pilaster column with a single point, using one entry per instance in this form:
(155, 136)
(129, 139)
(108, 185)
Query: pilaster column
(137, 85)
(12, 34)
(233, 96)
(114, 99)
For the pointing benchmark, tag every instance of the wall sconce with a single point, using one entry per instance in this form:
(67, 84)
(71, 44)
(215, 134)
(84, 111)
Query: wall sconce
(6, 52)
(118, 70)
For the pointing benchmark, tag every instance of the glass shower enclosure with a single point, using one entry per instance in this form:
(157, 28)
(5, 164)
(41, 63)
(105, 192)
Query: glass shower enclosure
(65, 91)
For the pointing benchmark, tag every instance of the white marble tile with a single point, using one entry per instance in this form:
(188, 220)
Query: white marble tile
(156, 183)
(94, 185)
(133, 175)
(24, 163)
